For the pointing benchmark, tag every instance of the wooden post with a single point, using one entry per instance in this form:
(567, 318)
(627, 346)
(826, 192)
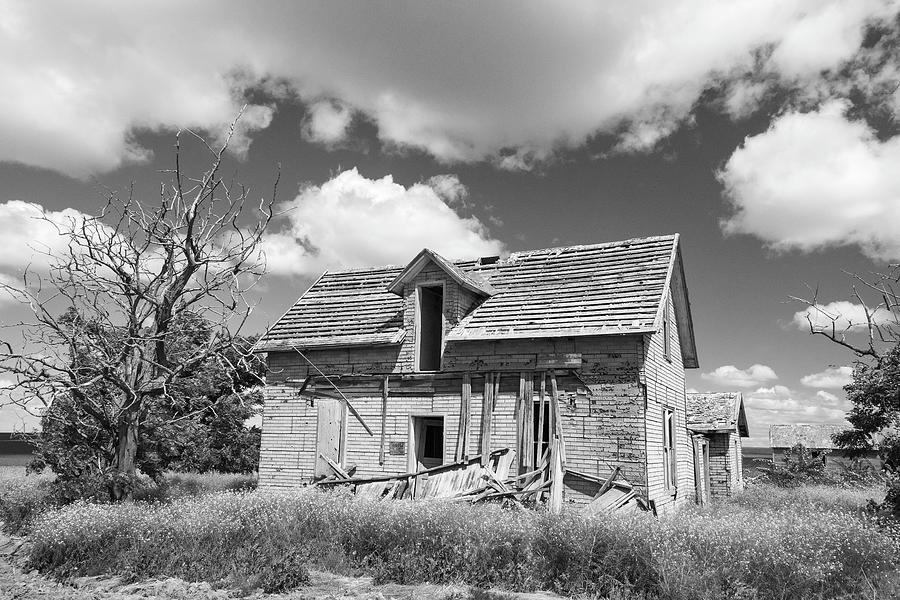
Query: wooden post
(557, 473)
(520, 424)
(487, 405)
(542, 402)
(557, 421)
(384, 400)
(528, 457)
(462, 437)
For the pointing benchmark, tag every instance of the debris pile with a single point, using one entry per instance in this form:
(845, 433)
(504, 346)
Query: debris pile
(474, 480)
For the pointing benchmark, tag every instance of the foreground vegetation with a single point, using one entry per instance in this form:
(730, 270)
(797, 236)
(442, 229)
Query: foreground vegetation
(25, 498)
(812, 542)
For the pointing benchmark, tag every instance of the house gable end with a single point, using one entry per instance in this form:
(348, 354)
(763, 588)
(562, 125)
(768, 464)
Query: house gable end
(676, 290)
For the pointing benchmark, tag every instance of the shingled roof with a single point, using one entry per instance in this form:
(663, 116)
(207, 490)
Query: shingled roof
(602, 289)
(811, 435)
(717, 412)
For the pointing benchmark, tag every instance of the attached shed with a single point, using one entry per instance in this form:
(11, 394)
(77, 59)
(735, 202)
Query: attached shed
(395, 369)
(717, 423)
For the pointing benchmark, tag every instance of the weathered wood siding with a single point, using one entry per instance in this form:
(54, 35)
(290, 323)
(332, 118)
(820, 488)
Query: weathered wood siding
(602, 414)
(664, 381)
(725, 454)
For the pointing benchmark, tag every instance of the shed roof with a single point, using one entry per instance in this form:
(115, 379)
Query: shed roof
(811, 435)
(717, 411)
(591, 290)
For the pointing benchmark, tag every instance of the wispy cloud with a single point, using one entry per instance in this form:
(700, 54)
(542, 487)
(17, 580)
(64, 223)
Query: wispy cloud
(843, 316)
(830, 378)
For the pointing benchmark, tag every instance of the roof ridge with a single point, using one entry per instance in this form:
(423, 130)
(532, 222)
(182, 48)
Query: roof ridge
(613, 244)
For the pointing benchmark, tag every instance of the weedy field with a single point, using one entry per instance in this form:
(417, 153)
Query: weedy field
(768, 543)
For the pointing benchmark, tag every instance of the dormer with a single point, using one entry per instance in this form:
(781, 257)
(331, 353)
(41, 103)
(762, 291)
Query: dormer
(437, 294)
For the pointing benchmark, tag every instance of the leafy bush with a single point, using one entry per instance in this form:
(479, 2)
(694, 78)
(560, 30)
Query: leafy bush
(798, 466)
(745, 548)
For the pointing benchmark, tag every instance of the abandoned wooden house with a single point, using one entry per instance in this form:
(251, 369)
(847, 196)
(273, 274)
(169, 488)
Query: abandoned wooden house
(717, 422)
(396, 369)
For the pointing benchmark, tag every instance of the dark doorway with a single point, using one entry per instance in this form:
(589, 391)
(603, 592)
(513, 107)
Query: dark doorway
(431, 325)
(428, 442)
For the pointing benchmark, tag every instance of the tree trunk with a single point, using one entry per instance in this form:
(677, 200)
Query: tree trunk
(126, 453)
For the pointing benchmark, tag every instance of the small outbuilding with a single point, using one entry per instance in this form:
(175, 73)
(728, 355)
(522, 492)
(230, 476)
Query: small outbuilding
(815, 437)
(717, 422)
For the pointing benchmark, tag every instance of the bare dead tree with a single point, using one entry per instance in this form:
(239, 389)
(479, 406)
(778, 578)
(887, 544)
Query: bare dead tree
(879, 329)
(104, 316)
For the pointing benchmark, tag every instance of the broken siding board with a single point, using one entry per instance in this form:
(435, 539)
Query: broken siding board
(462, 438)
(528, 459)
(487, 407)
(384, 408)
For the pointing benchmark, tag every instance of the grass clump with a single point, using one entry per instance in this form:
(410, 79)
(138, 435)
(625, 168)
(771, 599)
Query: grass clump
(742, 549)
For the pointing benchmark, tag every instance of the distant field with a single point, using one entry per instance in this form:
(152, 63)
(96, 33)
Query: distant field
(751, 455)
(15, 460)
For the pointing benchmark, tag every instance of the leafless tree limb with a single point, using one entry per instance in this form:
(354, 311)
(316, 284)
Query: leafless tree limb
(104, 311)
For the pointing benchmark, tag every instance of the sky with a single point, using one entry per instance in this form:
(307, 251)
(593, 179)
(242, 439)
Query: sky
(765, 132)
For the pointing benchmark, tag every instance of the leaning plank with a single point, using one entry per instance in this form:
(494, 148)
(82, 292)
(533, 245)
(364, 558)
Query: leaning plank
(334, 467)
(350, 406)
(528, 457)
(448, 467)
(556, 478)
(542, 402)
(462, 438)
(487, 405)
(557, 421)
(384, 402)
(609, 482)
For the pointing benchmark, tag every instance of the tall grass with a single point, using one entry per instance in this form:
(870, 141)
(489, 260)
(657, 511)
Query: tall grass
(25, 497)
(741, 549)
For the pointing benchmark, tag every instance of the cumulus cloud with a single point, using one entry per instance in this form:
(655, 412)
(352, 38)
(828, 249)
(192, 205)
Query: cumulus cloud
(815, 180)
(461, 84)
(31, 234)
(729, 375)
(327, 122)
(831, 378)
(353, 221)
(843, 316)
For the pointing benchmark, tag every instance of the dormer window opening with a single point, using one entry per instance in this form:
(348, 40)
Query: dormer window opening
(430, 334)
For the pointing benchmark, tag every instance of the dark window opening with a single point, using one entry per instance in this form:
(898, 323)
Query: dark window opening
(431, 324)
(667, 335)
(670, 473)
(541, 431)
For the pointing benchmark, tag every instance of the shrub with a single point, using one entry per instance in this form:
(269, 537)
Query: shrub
(746, 548)
(22, 499)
